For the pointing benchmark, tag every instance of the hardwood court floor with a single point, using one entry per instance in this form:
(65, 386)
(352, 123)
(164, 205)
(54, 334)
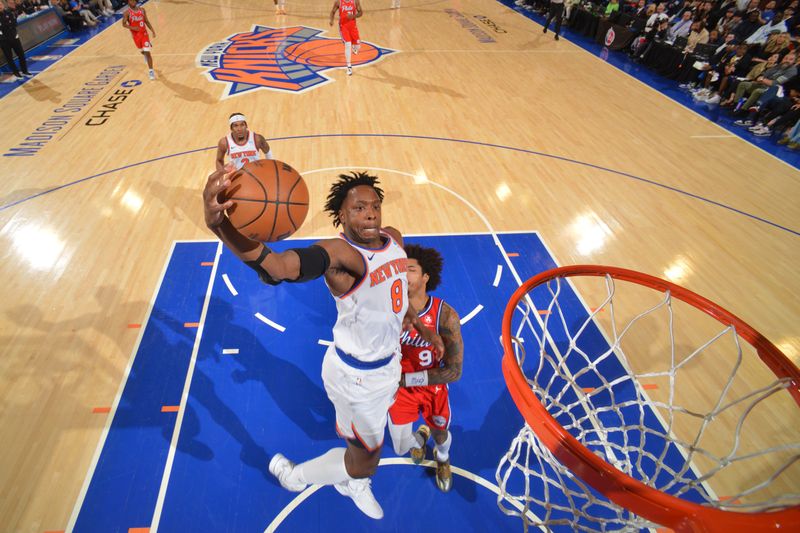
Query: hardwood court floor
(523, 133)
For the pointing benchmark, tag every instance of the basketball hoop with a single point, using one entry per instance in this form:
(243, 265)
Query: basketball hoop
(634, 421)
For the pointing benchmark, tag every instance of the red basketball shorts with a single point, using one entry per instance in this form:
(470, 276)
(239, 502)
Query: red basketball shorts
(349, 32)
(142, 40)
(432, 401)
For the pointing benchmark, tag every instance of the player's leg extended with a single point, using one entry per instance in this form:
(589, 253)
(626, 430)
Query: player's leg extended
(439, 419)
(148, 57)
(404, 439)
(402, 415)
(355, 38)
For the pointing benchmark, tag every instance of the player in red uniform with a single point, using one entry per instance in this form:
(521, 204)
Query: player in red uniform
(349, 11)
(426, 373)
(135, 19)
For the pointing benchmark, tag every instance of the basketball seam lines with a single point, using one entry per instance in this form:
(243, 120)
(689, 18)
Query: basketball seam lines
(265, 201)
(277, 195)
(266, 198)
(289, 211)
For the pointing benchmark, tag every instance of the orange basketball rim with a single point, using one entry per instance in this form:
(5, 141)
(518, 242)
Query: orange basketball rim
(625, 491)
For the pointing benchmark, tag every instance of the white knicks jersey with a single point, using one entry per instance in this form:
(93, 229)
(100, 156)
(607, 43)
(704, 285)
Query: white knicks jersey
(239, 154)
(370, 317)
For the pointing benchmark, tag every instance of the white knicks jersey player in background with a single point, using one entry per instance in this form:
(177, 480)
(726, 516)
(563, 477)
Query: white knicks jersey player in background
(241, 145)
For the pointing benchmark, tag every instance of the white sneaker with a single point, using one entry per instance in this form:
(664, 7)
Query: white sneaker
(361, 493)
(349, 71)
(713, 99)
(281, 468)
(152, 74)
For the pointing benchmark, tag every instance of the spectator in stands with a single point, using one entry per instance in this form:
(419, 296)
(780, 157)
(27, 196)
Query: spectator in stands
(728, 67)
(756, 69)
(778, 74)
(777, 25)
(643, 45)
(777, 113)
(102, 6)
(9, 40)
(792, 138)
(611, 7)
(657, 17)
(78, 7)
(714, 37)
(697, 35)
(769, 12)
(777, 43)
(73, 21)
(747, 26)
(635, 10)
(681, 28)
(728, 21)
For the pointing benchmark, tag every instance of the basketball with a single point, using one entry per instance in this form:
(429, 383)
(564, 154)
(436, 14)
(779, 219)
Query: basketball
(270, 200)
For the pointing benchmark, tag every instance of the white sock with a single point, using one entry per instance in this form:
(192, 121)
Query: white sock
(348, 48)
(403, 438)
(326, 469)
(443, 450)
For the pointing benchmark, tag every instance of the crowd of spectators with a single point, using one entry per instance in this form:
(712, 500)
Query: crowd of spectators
(738, 54)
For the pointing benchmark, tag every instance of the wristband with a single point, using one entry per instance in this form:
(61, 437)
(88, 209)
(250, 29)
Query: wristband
(416, 379)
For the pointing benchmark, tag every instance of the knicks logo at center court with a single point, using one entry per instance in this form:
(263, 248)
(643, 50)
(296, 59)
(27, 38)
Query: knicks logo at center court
(283, 59)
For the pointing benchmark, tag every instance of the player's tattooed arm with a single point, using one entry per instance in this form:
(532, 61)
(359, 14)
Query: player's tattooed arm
(450, 330)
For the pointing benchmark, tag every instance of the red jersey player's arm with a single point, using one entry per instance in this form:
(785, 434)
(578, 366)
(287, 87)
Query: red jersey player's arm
(395, 233)
(263, 145)
(334, 9)
(147, 21)
(125, 20)
(222, 150)
(359, 11)
(450, 330)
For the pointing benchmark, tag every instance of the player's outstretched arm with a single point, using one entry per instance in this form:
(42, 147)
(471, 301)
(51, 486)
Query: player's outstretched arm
(450, 331)
(296, 265)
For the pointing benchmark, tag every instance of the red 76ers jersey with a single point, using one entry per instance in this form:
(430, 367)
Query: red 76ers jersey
(419, 355)
(346, 7)
(136, 20)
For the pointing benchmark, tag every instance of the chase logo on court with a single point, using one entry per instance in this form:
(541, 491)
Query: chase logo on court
(282, 59)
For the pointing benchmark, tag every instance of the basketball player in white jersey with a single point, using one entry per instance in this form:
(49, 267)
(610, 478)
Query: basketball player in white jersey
(241, 145)
(365, 270)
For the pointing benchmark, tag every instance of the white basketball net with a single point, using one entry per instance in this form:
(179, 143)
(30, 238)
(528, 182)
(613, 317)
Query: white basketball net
(634, 402)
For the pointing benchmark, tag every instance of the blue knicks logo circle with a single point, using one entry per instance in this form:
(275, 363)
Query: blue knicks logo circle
(280, 59)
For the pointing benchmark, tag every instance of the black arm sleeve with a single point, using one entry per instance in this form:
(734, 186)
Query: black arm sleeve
(314, 261)
(256, 265)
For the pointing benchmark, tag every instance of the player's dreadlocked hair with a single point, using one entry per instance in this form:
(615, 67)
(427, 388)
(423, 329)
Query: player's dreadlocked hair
(341, 187)
(429, 260)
